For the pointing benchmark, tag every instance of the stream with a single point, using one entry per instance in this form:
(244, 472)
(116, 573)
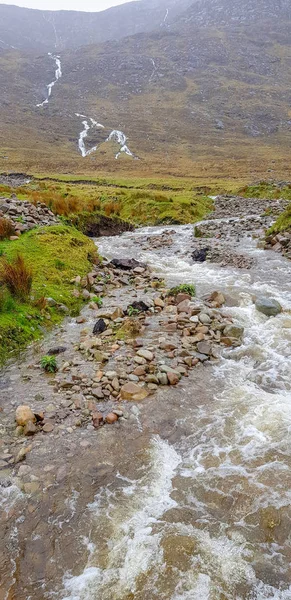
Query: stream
(190, 498)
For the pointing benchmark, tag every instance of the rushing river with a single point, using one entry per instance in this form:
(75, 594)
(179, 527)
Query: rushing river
(198, 502)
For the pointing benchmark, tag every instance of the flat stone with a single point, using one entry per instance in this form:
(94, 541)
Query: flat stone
(48, 427)
(131, 391)
(184, 307)
(145, 354)
(97, 392)
(204, 348)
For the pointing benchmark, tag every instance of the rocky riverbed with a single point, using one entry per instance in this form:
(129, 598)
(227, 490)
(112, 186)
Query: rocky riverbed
(150, 464)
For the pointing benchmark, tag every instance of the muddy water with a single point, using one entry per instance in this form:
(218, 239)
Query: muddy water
(191, 499)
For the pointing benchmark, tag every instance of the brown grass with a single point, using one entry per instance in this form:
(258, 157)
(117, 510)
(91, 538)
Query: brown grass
(6, 228)
(17, 277)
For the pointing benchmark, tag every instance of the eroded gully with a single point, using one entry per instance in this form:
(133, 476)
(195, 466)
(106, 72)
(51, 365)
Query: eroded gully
(189, 500)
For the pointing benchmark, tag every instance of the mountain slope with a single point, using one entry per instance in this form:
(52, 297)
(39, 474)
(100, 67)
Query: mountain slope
(190, 97)
(44, 31)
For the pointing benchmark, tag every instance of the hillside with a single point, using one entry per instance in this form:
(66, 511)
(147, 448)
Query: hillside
(210, 92)
(44, 31)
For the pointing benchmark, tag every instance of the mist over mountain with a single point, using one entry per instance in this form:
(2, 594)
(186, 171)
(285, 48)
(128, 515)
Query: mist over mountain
(206, 83)
(40, 30)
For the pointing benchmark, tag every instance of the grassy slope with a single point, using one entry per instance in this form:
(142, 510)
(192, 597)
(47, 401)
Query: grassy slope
(56, 255)
(139, 201)
(171, 118)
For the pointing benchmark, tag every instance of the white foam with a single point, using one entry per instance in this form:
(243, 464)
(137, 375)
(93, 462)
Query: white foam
(133, 547)
(58, 75)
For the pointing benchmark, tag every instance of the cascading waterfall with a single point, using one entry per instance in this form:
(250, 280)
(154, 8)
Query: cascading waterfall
(58, 75)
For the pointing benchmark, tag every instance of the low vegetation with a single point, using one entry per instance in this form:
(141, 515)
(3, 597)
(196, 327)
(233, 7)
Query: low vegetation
(16, 276)
(49, 364)
(283, 222)
(6, 228)
(183, 288)
(37, 266)
(137, 201)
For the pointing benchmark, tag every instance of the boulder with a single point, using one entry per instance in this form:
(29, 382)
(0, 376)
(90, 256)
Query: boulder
(217, 299)
(139, 305)
(268, 306)
(233, 331)
(127, 264)
(24, 415)
(99, 327)
(200, 255)
(131, 391)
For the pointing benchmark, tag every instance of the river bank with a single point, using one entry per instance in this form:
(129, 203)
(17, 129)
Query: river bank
(182, 497)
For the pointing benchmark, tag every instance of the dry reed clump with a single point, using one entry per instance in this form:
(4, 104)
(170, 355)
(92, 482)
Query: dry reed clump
(6, 228)
(17, 277)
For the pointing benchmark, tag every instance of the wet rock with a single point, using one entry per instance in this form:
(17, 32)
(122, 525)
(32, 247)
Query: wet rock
(99, 327)
(204, 348)
(127, 264)
(80, 320)
(268, 306)
(22, 454)
(200, 255)
(131, 391)
(29, 428)
(97, 419)
(216, 299)
(162, 378)
(139, 305)
(145, 354)
(97, 393)
(24, 415)
(201, 357)
(184, 307)
(140, 371)
(181, 297)
(48, 427)
(204, 318)
(159, 302)
(233, 331)
(173, 378)
(57, 350)
(111, 418)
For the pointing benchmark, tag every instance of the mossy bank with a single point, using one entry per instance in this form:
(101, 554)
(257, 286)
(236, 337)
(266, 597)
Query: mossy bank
(55, 255)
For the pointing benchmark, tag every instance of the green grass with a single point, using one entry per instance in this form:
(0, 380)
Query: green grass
(140, 201)
(183, 288)
(43, 249)
(283, 222)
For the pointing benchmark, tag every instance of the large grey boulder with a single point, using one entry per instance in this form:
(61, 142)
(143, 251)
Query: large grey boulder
(268, 306)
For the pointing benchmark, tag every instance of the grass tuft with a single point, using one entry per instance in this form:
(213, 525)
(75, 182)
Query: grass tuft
(6, 228)
(16, 276)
